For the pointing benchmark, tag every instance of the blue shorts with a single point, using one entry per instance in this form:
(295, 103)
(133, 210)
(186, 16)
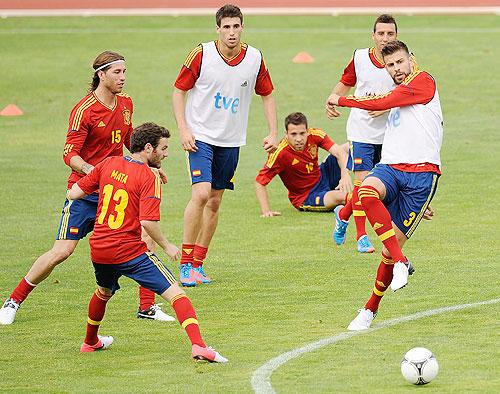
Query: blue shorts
(408, 194)
(329, 180)
(78, 217)
(213, 164)
(363, 156)
(146, 269)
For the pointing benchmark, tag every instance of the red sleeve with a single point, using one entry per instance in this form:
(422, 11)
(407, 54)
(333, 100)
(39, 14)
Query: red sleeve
(326, 143)
(78, 130)
(190, 70)
(150, 199)
(263, 85)
(349, 76)
(273, 166)
(90, 182)
(418, 88)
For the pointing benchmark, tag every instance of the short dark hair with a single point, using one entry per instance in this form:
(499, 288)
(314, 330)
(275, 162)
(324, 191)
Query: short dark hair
(228, 11)
(394, 46)
(147, 133)
(295, 118)
(385, 18)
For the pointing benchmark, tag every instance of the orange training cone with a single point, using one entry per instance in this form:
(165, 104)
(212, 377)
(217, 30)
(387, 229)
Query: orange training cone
(11, 110)
(303, 57)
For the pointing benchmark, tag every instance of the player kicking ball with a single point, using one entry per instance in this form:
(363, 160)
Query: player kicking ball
(129, 197)
(396, 194)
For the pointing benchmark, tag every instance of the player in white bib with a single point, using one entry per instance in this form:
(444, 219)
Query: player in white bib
(221, 77)
(396, 194)
(365, 129)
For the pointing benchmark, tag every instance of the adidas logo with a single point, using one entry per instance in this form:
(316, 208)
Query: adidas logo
(377, 225)
(244, 84)
(101, 124)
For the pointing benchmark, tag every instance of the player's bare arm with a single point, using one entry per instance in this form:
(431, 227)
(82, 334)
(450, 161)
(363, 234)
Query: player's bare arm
(263, 198)
(76, 193)
(80, 165)
(154, 231)
(187, 138)
(376, 114)
(345, 183)
(270, 142)
(339, 89)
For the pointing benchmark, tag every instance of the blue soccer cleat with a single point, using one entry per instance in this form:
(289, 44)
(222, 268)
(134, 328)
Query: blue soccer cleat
(200, 276)
(187, 276)
(339, 233)
(364, 245)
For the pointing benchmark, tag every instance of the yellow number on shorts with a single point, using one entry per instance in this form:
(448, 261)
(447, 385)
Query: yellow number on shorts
(409, 221)
(115, 219)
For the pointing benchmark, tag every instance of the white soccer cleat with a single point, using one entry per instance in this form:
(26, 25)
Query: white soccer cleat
(363, 321)
(207, 354)
(8, 311)
(155, 313)
(399, 275)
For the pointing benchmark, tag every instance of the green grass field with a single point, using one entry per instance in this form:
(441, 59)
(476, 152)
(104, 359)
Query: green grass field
(280, 283)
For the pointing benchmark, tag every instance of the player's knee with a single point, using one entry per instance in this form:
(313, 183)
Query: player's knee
(201, 197)
(60, 253)
(214, 204)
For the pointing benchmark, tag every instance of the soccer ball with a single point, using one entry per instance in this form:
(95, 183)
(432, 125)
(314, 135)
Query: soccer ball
(419, 366)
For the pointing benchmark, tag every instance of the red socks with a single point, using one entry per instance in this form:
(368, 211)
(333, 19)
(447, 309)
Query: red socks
(22, 290)
(381, 221)
(187, 318)
(199, 255)
(97, 307)
(382, 281)
(187, 253)
(346, 212)
(357, 211)
(146, 298)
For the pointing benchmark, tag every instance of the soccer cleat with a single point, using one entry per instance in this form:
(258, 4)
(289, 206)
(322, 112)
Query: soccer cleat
(154, 313)
(364, 245)
(339, 233)
(363, 321)
(207, 354)
(200, 276)
(102, 344)
(400, 274)
(8, 311)
(186, 276)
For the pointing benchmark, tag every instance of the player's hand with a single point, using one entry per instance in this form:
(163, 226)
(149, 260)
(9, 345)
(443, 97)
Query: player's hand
(188, 141)
(163, 176)
(345, 184)
(330, 104)
(270, 143)
(270, 214)
(429, 213)
(375, 114)
(173, 252)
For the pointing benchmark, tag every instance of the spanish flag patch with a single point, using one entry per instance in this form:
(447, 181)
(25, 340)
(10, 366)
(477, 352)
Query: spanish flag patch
(73, 230)
(196, 172)
(358, 160)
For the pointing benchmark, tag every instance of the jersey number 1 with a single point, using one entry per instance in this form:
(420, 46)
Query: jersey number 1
(120, 197)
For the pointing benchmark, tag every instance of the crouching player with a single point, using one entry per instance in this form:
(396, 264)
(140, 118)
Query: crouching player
(311, 187)
(129, 197)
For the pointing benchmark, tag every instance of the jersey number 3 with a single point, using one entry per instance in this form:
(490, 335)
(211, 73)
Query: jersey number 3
(120, 197)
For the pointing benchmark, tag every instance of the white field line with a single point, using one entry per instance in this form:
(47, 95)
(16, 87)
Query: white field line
(265, 30)
(6, 13)
(261, 378)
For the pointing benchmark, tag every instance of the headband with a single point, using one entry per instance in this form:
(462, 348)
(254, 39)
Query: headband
(108, 64)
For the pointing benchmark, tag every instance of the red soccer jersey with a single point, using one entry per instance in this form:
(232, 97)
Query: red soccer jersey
(129, 191)
(97, 131)
(191, 68)
(298, 170)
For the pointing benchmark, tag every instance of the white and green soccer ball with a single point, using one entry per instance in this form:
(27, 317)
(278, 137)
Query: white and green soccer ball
(419, 366)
